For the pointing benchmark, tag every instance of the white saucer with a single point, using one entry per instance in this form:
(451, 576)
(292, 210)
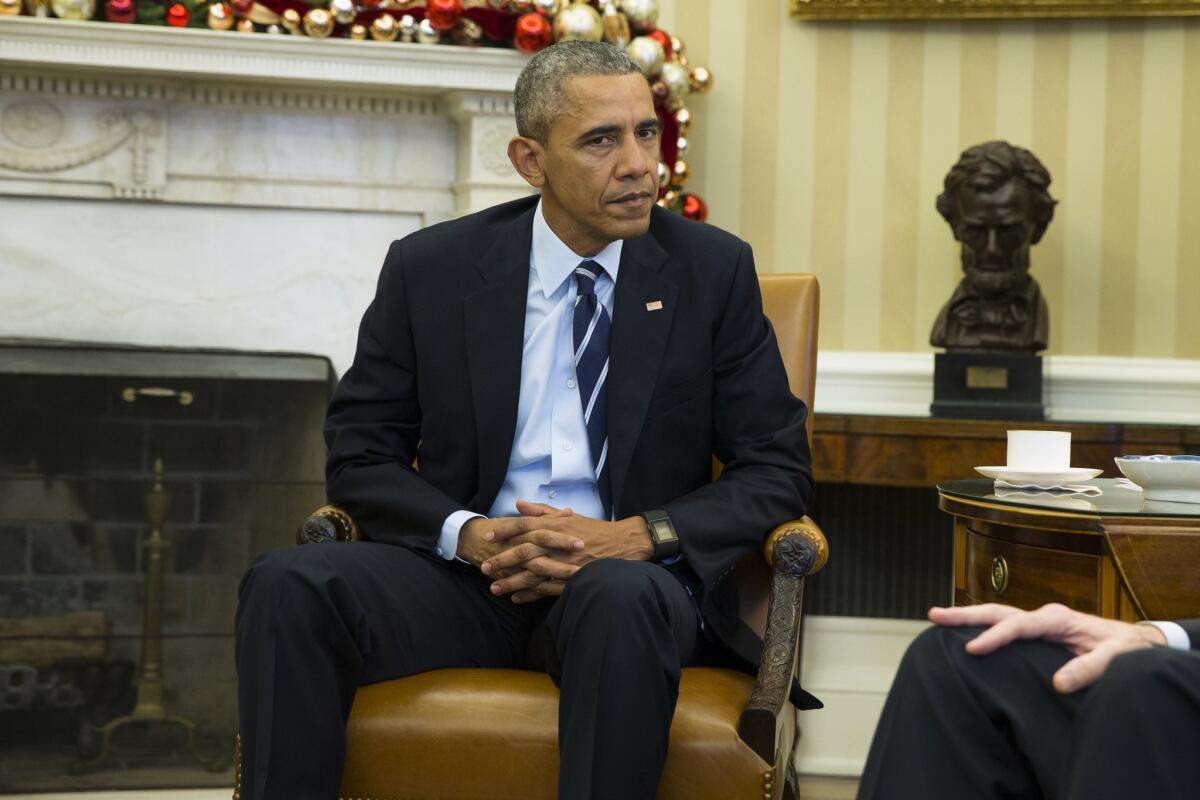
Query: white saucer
(1040, 476)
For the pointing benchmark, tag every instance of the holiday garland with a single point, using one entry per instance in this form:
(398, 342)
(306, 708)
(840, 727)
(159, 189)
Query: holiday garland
(527, 25)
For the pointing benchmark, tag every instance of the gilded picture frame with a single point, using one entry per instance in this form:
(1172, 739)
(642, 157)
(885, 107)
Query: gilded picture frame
(987, 9)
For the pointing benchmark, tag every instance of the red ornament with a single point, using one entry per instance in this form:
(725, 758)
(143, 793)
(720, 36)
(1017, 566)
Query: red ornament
(694, 208)
(532, 33)
(241, 7)
(120, 10)
(664, 39)
(443, 14)
(177, 15)
(660, 91)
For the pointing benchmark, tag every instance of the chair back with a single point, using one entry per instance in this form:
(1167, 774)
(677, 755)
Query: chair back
(792, 302)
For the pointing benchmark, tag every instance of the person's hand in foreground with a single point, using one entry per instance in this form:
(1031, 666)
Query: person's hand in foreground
(1093, 640)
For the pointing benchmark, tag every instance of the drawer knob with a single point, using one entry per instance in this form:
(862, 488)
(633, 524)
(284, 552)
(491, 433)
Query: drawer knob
(999, 574)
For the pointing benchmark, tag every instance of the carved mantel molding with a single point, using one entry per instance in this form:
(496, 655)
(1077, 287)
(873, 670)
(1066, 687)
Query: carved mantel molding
(101, 48)
(102, 111)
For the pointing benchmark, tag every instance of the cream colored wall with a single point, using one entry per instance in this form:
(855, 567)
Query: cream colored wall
(824, 145)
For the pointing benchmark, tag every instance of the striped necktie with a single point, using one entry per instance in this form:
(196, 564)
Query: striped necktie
(591, 328)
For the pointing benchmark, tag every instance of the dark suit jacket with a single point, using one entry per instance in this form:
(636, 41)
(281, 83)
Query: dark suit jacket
(1192, 626)
(437, 374)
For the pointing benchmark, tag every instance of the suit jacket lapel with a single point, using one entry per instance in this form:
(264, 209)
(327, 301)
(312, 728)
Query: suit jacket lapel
(495, 331)
(639, 339)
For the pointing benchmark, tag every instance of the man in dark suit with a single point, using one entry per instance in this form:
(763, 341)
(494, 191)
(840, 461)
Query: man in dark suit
(562, 369)
(1049, 704)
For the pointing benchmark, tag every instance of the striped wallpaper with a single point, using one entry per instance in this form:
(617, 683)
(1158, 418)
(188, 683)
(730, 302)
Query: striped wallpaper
(824, 145)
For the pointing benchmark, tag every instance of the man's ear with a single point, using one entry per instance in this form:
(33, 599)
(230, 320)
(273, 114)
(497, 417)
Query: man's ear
(526, 157)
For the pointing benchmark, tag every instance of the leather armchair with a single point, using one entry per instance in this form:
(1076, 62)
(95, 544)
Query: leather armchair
(482, 733)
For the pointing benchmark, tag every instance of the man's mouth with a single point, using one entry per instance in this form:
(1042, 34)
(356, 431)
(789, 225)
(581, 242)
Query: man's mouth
(631, 198)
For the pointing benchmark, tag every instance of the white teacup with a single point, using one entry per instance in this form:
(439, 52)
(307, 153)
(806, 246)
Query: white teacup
(1039, 451)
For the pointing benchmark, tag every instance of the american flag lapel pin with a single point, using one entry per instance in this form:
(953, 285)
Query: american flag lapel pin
(654, 305)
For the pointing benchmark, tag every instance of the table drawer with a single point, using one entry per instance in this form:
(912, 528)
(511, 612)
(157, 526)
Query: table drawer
(1029, 577)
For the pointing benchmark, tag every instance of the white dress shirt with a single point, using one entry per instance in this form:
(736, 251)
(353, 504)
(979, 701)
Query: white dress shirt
(550, 462)
(1177, 637)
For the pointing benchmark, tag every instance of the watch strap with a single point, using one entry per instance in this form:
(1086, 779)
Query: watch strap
(662, 534)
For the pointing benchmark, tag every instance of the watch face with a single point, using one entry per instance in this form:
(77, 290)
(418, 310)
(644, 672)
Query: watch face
(662, 532)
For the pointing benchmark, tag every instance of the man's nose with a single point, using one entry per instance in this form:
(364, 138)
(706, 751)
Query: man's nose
(991, 241)
(633, 161)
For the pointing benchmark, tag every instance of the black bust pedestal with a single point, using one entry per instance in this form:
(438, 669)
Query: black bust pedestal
(987, 385)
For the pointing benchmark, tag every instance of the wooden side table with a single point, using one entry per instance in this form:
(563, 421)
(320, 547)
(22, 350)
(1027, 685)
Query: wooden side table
(1115, 555)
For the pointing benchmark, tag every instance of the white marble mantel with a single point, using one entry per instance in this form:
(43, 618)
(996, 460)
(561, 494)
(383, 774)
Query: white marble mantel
(201, 188)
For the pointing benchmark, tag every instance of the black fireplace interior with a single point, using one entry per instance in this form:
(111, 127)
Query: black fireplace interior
(238, 436)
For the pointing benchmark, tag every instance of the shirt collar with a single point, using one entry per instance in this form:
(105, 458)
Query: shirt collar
(553, 262)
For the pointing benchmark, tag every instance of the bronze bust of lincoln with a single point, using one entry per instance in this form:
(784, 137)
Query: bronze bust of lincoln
(997, 203)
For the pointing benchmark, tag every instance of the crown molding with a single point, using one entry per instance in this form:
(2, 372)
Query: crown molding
(107, 50)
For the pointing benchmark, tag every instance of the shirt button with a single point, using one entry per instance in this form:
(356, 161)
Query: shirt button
(571, 383)
(552, 494)
(566, 445)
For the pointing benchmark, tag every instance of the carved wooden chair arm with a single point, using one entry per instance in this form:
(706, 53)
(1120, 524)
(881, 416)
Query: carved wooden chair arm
(328, 524)
(794, 550)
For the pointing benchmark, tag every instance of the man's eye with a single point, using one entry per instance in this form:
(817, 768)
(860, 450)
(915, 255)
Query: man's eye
(648, 133)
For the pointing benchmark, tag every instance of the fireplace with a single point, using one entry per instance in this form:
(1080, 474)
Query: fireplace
(136, 484)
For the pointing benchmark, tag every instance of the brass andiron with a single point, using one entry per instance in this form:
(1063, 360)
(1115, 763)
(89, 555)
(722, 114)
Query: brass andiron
(149, 707)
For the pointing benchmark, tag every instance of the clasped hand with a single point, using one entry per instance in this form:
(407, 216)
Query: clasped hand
(534, 555)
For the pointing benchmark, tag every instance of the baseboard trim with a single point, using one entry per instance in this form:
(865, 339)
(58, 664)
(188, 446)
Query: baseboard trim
(1078, 388)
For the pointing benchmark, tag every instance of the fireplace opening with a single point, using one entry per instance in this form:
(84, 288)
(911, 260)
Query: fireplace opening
(136, 484)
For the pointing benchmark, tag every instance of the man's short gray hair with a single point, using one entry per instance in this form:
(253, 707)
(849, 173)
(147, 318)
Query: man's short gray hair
(539, 95)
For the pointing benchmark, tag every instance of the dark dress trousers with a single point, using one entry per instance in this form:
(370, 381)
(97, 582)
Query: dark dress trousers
(962, 726)
(694, 372)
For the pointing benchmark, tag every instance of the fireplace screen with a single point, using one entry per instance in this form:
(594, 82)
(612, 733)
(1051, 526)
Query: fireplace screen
(135, 487)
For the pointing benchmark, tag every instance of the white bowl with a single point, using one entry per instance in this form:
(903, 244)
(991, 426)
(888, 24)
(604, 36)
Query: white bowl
(1172, 478)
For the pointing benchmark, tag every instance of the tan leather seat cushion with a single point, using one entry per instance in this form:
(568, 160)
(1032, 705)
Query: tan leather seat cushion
(493, 735)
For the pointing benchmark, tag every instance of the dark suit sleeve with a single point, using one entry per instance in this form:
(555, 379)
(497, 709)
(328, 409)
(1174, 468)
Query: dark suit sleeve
(374, 425)
(759, 436)
(1192, 627)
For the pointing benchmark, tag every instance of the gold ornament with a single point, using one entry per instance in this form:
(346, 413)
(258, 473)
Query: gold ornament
(261, 15)
(616, 27)
(290, 19)
(10, 8)
(578, 22)
(73, 9)
(642, 14)
(647, 54)
(520, 6)
(680, 175)
(275, 29)
(668, 199)
(678, 47)
(547, 8)
(408, 28)
(358, 32)
(318, 23)
(343, 11)
(700, 81)
(467, 33)
(676, 79)
(681, 145)
(220, 17)
(681, 60)
(427, 34)
(664, 173)
(244, 26)
(384, 28)
(683, 118)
